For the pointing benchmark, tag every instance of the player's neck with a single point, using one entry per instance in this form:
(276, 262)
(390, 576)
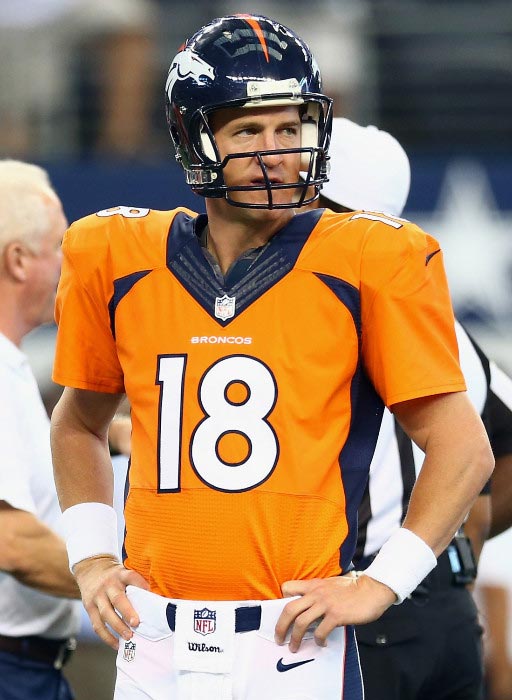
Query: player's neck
(228, 236)
(225, 249)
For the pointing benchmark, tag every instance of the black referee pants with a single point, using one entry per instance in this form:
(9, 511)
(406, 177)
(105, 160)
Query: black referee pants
(427, 648)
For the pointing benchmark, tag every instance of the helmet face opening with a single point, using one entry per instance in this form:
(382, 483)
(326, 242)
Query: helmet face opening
(300, 188)
(246, 61)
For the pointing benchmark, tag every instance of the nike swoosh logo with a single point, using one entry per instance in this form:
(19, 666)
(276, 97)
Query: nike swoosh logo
(282, 667)
(431, 255)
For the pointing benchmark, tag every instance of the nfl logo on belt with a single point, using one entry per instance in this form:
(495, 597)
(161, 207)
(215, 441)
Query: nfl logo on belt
(224, 307)
(205, 621)
(129, 651)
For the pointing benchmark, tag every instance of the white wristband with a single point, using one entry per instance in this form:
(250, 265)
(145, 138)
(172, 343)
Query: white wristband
(90, 529)
(402, 563)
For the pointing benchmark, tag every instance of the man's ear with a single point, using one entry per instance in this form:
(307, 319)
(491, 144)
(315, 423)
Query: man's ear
(16, 258)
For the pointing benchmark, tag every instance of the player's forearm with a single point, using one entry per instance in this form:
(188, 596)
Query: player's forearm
(450, 480)
(34, 554)
(81, 461)
(82, 469)
(458, 462)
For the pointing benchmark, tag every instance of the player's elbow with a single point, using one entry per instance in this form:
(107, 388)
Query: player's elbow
(483, 459)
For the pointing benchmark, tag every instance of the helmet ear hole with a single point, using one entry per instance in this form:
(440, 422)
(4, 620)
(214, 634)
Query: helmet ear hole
(207, 145)
(309, 139)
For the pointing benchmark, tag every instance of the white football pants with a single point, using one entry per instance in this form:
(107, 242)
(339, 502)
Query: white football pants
(205, 650)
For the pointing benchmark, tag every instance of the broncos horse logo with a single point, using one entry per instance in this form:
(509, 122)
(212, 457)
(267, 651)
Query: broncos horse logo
(188, 64)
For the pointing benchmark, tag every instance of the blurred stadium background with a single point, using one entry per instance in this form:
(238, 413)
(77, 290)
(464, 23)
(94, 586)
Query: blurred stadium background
(82, 93)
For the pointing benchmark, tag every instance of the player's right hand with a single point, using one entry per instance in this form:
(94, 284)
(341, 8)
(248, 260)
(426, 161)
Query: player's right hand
(102, 581)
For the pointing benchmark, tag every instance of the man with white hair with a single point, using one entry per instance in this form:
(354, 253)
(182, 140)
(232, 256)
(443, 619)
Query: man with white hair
(39, 606)
(428, 647)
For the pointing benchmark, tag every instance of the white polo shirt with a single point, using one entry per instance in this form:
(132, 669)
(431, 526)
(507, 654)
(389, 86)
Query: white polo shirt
(26, 483)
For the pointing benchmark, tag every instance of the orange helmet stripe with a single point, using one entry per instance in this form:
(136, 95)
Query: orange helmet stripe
(253, 23)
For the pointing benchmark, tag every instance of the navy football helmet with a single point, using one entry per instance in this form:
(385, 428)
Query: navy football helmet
(246, 61)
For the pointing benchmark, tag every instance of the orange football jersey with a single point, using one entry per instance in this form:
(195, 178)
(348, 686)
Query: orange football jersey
(255, 406)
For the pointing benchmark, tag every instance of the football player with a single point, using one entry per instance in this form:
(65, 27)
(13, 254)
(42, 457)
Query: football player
(257, 346)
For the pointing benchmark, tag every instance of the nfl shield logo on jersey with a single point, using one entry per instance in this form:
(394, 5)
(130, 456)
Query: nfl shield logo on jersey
(224, 307)
(205, 621)
(129, 651)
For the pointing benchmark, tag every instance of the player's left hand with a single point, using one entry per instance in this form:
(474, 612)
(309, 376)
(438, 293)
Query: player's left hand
(336, 601)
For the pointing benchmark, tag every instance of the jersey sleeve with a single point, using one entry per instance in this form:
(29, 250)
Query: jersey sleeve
(408, 336)
(85, 354)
